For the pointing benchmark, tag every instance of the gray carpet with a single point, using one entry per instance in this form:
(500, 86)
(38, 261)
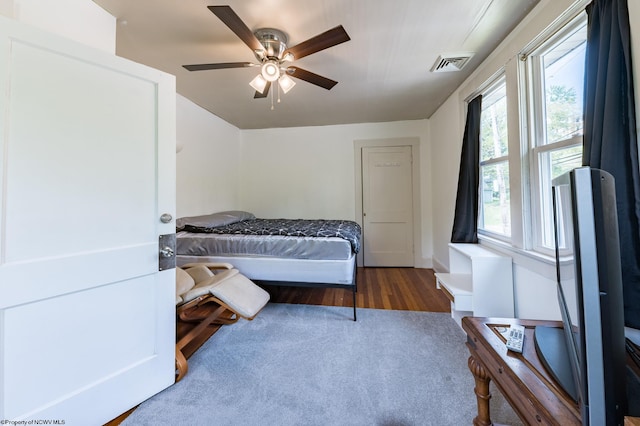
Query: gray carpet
(312, 365)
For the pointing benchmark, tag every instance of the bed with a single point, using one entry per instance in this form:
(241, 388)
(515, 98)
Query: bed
(292, 252)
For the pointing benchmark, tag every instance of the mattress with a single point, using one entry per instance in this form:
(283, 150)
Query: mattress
(267, 246)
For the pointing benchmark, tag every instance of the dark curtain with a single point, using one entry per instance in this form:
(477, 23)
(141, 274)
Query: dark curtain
(465, 220)
(610, 131)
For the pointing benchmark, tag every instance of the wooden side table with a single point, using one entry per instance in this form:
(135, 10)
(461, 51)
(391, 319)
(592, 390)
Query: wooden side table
(532, 392)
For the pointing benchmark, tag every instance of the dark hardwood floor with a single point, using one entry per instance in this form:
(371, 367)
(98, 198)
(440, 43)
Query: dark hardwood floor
(406, 289)
(378, 288)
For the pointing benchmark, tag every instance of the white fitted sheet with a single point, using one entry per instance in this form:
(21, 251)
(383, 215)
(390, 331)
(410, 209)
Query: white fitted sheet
(337, 271)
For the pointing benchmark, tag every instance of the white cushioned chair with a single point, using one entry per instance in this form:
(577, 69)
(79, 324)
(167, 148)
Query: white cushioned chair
(198, 284)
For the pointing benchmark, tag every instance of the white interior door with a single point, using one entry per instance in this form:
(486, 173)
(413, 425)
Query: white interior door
(87, 157)
(387, 203)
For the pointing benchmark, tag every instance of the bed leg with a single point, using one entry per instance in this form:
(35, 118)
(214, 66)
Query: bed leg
(354, 289)
(354, 303)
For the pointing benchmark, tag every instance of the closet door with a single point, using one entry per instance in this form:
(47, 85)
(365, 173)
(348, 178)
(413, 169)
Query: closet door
(87, 157)
(387, 203)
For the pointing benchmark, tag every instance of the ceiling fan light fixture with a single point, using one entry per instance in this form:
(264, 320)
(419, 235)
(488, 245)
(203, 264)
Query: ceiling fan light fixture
(258, 83)
(270, 71)
(286, 83)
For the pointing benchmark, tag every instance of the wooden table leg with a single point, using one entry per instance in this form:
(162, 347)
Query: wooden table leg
(482, 392)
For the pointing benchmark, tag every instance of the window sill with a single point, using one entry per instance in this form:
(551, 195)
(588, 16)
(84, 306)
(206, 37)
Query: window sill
(538, 263)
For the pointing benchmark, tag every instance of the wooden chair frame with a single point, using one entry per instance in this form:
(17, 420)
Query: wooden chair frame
(203, 311)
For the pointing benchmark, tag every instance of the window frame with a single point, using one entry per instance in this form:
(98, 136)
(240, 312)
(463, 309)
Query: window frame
(533, 91)
(498, 80)
(514, 65)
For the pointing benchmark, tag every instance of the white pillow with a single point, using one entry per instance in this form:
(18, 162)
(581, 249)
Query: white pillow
(214, 219)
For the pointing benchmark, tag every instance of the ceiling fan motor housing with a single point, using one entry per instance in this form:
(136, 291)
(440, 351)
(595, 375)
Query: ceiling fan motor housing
(274, 42)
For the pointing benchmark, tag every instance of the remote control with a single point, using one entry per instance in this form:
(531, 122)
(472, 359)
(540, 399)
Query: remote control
(515, 338)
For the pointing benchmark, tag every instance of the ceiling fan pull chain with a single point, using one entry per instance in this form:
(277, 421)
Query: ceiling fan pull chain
(272, 99)
(278, 92)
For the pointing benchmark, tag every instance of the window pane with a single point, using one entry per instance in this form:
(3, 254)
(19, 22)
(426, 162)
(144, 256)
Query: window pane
(553, 164)
(564, 86)
(564, 160)
(493, 124)
(556, 94)
(495, 197)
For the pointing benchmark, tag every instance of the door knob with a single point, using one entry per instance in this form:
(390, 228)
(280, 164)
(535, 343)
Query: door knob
(166, 251)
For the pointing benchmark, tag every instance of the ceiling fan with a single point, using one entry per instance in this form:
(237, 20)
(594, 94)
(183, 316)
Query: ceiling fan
(269, 45)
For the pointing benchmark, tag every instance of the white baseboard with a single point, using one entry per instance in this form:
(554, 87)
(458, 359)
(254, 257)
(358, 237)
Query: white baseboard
(423, 263)
(438, 266)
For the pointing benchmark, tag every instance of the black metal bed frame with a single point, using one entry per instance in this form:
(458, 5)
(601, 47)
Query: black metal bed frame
(353, 286)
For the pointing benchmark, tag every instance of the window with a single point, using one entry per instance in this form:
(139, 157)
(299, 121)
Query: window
(495, 211)
(555, 86)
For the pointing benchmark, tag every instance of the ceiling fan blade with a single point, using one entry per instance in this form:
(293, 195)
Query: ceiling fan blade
(320, 42)
(235, 24)
(223, 65)
(264, 94)
(312, 78)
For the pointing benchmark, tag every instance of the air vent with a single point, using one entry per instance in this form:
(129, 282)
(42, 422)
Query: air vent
(446, 63)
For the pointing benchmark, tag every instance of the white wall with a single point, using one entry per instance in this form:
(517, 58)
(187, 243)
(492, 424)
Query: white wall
(308, 172)
(534, 277)
(208, 161)
(447, 129)
(80, 20)
(6, 8)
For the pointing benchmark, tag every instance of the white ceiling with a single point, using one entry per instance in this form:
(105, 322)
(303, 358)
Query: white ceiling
(382, 72)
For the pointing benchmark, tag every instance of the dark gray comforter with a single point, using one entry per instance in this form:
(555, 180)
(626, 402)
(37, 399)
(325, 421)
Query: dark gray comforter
(344, 229)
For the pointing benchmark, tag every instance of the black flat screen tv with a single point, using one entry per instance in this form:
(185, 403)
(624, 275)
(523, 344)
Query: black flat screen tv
(588, 266)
